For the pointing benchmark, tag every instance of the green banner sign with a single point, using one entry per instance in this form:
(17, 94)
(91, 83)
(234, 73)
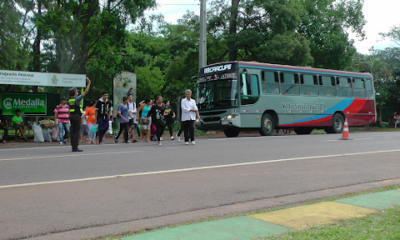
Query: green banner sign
(29, 104)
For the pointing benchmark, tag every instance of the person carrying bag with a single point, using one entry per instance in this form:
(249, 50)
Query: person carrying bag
(94, 128)
(157, 115)
(144, 120)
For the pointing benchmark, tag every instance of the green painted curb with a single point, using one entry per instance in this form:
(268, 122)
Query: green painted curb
(379, 200)
(238, 228)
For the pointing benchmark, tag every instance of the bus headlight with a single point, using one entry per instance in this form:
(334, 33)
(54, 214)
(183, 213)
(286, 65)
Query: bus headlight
(230, 117)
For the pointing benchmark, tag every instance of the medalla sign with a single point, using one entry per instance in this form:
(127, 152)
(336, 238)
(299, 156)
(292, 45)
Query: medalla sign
(29, 104)
(42, 79)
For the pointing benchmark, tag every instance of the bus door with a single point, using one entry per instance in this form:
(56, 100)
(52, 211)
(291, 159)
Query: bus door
(290, 96)
(249, 95)
(328, 97)
(307, 104)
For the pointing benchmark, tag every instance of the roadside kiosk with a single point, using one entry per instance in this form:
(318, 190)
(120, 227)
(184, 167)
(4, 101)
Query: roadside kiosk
(34, 105)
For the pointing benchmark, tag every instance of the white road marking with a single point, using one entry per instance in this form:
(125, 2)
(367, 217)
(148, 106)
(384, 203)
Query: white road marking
(191, 169)
(335, 140)
(61, 156)
(43, 147)
(240, 138)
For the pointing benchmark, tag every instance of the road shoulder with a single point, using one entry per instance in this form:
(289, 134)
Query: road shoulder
(217, 212)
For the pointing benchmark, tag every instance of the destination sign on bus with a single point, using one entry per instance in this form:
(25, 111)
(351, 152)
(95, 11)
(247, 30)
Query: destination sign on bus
(216, 77)
(298, 106)
(219, 68)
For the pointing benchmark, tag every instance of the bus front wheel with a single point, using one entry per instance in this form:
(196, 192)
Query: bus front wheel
(232, 132)
(337, 124)
(267, 125)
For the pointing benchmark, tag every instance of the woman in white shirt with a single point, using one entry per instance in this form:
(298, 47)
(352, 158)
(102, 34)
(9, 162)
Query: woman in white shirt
(189, 108)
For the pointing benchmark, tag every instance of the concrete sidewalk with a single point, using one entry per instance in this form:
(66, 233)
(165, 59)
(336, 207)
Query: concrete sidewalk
(278, 222)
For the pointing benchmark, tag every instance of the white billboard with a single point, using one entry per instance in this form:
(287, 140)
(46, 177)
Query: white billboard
(42, 79)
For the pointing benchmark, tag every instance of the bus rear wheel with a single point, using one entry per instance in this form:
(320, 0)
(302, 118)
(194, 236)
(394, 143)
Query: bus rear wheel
(303, 130)
(337, 124)
(267, 125)
(232, 132)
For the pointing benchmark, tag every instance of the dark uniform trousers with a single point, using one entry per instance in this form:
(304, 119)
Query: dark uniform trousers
(75, 120)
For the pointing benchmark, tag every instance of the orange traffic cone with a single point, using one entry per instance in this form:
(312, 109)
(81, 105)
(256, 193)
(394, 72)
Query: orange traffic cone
(345, 133)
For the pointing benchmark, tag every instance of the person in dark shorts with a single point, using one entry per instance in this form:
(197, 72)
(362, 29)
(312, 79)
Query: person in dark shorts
(75, 115)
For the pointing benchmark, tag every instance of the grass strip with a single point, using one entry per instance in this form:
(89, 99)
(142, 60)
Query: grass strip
(114, 237)
(381, 225)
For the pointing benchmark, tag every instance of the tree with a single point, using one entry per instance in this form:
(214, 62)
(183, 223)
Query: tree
(84, 29)
(294, 32)
(383, 80)
(14, 37)
(325, 23)
(264, 31)
(12, 49)
(232, 30)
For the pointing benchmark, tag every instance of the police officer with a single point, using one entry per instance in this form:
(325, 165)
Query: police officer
(75, 115)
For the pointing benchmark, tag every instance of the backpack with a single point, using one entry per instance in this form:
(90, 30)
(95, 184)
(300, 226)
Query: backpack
(141, 109)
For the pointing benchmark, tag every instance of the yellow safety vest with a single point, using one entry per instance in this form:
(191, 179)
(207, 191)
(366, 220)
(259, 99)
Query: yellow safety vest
(72, 107)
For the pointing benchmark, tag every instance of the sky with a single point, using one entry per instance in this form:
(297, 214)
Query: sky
(381, 16)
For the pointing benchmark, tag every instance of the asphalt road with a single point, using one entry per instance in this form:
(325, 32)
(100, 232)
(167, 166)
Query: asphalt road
(50, 189)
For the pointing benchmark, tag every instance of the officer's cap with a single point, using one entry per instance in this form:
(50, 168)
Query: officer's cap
(72, 91)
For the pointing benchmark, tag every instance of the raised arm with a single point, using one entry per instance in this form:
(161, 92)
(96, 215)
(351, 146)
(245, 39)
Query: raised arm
(87, 86)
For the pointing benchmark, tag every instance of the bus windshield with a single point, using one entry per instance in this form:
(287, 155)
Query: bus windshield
(217, 94)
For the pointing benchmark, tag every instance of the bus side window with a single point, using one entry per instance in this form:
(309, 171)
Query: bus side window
(327, 86)
(344, 87)
(309, 87)
(270, 82)
(359, 88)
(368, 88)
(290, 83)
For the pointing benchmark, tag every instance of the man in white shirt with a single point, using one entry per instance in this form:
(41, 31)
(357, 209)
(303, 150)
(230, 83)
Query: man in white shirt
(189, 108)
(132, 116)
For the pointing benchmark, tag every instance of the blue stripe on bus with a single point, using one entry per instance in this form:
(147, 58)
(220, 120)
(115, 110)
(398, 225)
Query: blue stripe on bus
(341, 106)
(290, 70)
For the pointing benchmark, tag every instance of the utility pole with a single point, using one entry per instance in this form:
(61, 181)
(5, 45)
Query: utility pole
(203, 37)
